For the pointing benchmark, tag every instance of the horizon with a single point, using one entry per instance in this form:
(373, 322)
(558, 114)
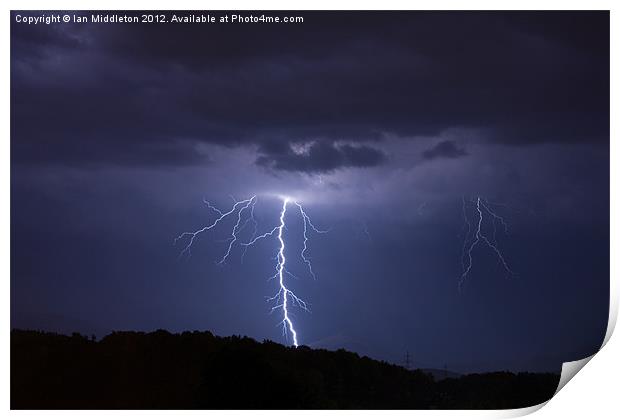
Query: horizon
(301, 347)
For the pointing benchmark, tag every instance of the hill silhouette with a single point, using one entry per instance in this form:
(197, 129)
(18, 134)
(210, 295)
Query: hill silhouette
(197, 370)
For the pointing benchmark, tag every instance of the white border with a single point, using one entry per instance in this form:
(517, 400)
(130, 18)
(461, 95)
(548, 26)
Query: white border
(592, 394)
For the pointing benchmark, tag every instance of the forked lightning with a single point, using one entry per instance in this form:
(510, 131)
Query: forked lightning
(285, 299)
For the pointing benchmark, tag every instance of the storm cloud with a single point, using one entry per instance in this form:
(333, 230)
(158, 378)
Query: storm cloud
(445, 149)
(92, 94)
(319, 157)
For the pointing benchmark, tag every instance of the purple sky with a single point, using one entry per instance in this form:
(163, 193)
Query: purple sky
(379, 123)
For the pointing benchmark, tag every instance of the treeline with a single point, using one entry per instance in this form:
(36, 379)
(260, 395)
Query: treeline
(197, 370)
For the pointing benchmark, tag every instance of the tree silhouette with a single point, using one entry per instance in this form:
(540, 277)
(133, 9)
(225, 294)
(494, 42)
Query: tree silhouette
(160, 370)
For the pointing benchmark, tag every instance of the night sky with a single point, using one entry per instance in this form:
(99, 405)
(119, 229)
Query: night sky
(378, 123)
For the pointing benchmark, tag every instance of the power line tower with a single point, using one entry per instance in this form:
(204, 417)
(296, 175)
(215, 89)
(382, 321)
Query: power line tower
(407, 361)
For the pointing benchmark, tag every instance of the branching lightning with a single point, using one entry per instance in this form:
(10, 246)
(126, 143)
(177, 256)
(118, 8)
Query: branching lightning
(477, 235)
(285, 299)
(307, 222)
(192, 235)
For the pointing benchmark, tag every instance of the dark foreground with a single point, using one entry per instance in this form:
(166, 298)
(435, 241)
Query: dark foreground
(160, 370)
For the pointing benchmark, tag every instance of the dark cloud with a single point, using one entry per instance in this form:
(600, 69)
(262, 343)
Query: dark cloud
(444, 149)
(318, 157)
(83, 93)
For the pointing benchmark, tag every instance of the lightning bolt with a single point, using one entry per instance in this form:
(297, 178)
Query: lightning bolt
(192, 235)
(307, 222)
(284, 292)
(482, 208)
(285, 299)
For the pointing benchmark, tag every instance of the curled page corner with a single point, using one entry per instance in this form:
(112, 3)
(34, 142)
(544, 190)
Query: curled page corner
(570, 369)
